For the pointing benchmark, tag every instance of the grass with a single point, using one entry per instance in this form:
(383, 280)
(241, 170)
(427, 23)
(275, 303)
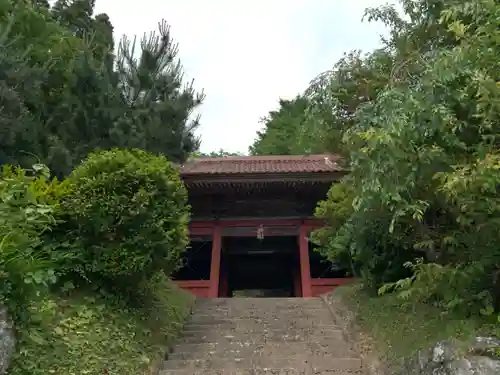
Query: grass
(398, 331)
(86, 334)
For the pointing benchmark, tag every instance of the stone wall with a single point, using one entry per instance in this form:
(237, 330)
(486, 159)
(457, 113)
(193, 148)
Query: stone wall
(480, 357)
(7, 340)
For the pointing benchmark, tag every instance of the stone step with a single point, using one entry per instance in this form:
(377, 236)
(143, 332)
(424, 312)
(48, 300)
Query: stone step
(317, 363)
(213, 337)
(264, 314)
(243, 331)
(259, 302)
(315, 304)
(261, 371)
(256, 299)
(262, 336)
(259, 325)
(202, 319)
(326, 343)
(333, 349)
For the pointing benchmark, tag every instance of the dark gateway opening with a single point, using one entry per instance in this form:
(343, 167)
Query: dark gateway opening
(255, 267)
(196, 260)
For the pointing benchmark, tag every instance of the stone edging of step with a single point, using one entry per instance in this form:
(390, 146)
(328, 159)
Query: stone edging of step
(345, 319)
(157, 365)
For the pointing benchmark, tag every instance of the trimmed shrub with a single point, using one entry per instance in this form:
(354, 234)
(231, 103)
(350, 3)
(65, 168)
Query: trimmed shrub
(126, 216)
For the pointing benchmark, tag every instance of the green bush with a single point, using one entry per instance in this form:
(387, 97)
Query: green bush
(126, 216)
(335, 211)
(27, 203)
(370, 254)
(114, 337)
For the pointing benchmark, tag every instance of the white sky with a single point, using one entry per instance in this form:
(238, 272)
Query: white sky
(247, 54)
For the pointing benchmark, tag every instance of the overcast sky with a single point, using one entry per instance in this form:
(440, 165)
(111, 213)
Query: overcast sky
(247, 54)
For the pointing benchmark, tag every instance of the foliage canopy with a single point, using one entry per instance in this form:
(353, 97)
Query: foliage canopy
(417, 123)
(66, 90)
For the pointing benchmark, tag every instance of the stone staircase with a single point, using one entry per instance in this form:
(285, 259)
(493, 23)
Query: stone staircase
(262, 336)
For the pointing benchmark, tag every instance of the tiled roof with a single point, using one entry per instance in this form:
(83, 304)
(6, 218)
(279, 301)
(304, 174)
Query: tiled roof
(262, 164)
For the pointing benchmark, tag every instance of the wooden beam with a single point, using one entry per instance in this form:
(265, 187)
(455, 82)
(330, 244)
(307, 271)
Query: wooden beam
(256, 222)
(206, 226)
(200, 230)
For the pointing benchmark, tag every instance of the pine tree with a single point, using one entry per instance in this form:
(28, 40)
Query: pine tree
(17, 80)
(159, 104)
(73, 96)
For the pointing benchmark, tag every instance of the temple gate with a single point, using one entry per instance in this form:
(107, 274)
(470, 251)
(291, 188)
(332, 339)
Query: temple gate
(251, 218)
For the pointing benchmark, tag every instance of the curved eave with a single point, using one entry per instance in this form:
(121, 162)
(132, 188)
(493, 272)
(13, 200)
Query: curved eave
(190, 178)
(259, 182)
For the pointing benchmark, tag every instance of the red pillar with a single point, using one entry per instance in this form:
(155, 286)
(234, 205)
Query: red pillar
(215, 262)
(305, 270)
